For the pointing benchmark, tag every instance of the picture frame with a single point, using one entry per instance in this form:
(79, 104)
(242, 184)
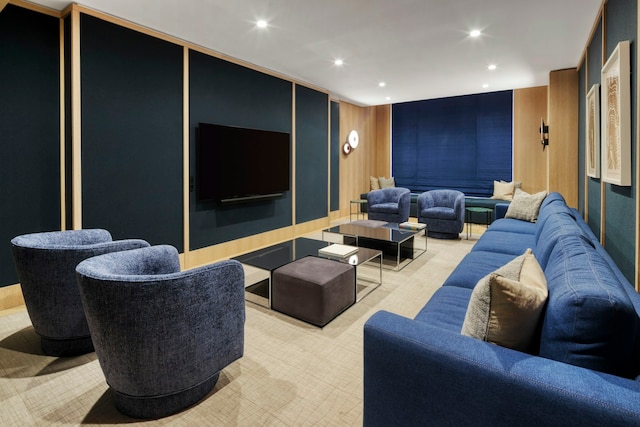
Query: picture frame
(592, 151)
(616, 117)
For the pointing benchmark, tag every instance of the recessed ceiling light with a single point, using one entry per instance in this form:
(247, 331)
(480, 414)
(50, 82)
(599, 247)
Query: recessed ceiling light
(475, 33)
(338, 62)
(382, 84)
(484, 86)
(492, 67)
(261, 23)
(388, 98)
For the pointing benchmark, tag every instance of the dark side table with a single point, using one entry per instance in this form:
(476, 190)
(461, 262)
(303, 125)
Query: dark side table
(473, 209)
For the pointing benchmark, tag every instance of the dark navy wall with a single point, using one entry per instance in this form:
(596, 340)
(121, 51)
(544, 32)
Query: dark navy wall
(312, 117)
(620, 204)
(594, 65)
(29, 128)
(334, 150)
(224, 93)
(132, 181)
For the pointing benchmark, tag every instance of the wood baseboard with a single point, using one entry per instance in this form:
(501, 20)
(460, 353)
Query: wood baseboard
(11, 297)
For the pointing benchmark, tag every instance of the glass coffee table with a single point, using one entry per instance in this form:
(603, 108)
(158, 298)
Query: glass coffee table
(272, 257)
(397, 244)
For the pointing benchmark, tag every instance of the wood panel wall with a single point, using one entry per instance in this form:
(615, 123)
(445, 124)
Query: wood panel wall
(529, 160)
(562, 158)
(373, 155)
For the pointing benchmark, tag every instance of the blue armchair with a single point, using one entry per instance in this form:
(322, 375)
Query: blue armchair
(389, 204)
(443, 212)
(46, 267)
(162, 335)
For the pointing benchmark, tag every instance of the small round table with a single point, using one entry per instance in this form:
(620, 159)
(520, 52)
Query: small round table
(473, 209)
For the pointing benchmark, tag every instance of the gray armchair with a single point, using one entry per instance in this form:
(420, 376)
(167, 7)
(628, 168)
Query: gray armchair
(46, 267)
(443, 212)
(389, 204)
(162, 335)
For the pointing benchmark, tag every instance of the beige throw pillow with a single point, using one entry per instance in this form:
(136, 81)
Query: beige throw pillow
(505, 306)
(387, 183)
(503, 190)
(375, 184)
(525, 206)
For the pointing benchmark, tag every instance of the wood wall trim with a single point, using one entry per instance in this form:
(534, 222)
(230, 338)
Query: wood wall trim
(192, 46)
(594, 27)
(31, 6)
(63, 186)
(186, 230)
(637, 184)
(76, 118)
(603, 185)
(11, 297)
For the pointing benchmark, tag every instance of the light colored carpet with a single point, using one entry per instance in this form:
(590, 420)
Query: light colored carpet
(292, 374)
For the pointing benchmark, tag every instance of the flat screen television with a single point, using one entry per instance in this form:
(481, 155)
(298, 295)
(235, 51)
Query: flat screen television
(239, 165)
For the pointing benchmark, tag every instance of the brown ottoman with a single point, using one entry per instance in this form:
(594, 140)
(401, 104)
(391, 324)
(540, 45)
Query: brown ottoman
(313, 289)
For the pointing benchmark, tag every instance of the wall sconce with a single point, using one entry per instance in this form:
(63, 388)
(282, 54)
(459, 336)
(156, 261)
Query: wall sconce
(544, 134)
(352, 142)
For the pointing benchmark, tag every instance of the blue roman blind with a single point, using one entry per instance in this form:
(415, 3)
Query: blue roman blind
(462, 143)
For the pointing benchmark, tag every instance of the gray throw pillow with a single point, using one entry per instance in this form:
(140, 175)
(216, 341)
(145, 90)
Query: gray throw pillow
(525, 206)
(505, 306)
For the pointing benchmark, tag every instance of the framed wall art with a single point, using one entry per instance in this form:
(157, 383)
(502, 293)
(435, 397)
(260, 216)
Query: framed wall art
(616, 117)
(592, 152)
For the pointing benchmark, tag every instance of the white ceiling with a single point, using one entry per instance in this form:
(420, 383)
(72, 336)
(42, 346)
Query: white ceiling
(420, 48)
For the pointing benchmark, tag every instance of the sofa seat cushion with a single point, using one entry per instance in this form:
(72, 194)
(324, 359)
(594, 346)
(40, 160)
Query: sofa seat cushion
(446, 308)
(590, 320)
(513, 226)
(439, 212)
(385, 208)
(504, 242)
(474, 266)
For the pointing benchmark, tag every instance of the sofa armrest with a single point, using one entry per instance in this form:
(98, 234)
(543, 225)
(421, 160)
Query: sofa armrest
(500, 210)
(415, 373)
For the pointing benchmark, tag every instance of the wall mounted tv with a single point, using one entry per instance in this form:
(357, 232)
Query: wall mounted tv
(240, 165)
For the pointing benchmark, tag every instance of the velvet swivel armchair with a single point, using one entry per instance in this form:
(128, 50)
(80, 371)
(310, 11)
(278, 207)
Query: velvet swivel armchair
(443, 212)
(46, 268)
(389, 204)
(162, 335)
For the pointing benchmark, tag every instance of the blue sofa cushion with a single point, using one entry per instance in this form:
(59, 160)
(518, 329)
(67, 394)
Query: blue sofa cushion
(513, 226)
(561, 224)
(590, 321)
(474, 266)
(446, 308)
(504, 242)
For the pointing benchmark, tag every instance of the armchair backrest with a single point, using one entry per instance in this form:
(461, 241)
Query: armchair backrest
(179, 328)
(45, 264)
(389, 195)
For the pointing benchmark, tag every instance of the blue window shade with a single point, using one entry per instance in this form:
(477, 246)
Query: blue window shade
(462, 143)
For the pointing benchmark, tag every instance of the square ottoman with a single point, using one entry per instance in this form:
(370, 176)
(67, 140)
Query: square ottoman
(313, 289)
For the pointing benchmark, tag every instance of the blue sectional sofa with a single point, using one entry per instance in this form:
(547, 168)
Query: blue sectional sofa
(582, 369)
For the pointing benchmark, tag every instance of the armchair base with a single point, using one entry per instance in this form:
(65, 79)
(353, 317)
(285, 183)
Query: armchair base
(66, 347)
(150, 407)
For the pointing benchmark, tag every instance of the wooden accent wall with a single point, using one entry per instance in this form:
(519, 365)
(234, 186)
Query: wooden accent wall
(373, 155)
(563, 134)
(529, 160)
